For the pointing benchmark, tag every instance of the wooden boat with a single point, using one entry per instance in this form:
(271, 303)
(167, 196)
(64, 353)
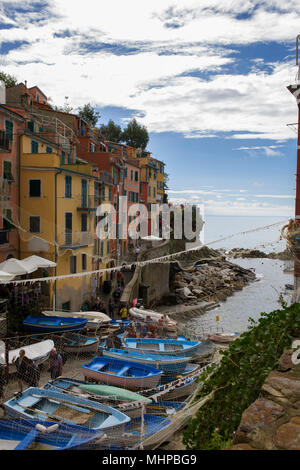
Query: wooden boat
(131, 375)
(53, 324)
(77, 343)
(95, 320)
(33, 434)
(164, 347)
(141, 314)
(170, 365)
(179, 388)
(39, 352)
(126, 401)
(46, 404)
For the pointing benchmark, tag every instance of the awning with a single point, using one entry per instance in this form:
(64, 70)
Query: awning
(16, 267)
(6, 276)
(39, 262)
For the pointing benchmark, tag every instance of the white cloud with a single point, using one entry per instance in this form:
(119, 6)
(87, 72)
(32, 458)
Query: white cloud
(151, 80)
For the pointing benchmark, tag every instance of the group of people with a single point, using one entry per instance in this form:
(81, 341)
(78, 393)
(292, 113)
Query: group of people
(28, 372)
(147, 328)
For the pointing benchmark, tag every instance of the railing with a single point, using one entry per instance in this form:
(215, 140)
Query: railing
(4, 236)
(86, 202)
(4, 142)
(74, 240)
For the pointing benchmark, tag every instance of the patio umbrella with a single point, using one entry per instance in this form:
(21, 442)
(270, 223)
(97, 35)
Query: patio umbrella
(39, 262)
(6, 276)
(16, 267)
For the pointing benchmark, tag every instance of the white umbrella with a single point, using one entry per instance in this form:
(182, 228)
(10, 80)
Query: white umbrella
(16, 267)
(39, 262)
(6, 276)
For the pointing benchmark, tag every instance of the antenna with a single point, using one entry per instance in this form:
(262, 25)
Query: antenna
(297, 59)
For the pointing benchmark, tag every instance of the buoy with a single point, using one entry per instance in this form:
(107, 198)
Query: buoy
(52, 428)
(41, 428)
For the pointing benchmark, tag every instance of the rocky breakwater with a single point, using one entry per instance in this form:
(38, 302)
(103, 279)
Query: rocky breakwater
(272, 422)
(252, 253)
(212, 281)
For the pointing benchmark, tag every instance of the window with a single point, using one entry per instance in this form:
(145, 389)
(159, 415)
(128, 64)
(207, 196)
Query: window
(30, 125)
(83, 193)
(95, 246)
(140, 188)
(101, 249)
(154, 192)
(34, 188)
(68, 186)
(125, 172)
(9, 129)
(149, 191)
(107, 246)
(48, 149)
(7, 218)
(109, 194)
(136, 176)
(34, 146)
(83, 222)
(131, 175)
(72, 264)
(38, 97)
(7, 174)
(83, 262)
(34, 224)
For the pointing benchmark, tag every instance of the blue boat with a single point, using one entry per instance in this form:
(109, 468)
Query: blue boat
(170, 365)
(122, 373)
(46, 404)
(120, 323)
(164, 347)
(150, 427)
(53, 324)
(33, 434)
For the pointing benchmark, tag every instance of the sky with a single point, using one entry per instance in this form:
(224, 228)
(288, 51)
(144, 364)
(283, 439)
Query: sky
(207, 78)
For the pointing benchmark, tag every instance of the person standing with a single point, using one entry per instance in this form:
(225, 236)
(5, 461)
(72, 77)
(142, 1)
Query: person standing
(21, 363)
(55, 364)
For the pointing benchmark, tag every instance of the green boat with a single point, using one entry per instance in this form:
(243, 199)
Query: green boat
(113, 392)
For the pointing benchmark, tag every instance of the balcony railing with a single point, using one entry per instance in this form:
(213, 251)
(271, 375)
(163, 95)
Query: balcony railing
(87, 203)
(4, 236)
(75, 240)
(4, 142)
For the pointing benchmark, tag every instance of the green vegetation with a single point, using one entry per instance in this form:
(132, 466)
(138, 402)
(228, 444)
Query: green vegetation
(236, 382)
(111, 132)
(88, 113)
(9, 80)
(135, 135)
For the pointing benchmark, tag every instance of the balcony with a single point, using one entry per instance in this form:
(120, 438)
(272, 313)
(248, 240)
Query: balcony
(73, 240)
(87, 203)
(4, 142)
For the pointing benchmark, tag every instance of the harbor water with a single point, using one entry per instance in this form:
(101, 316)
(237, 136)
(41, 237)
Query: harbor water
(259, 296)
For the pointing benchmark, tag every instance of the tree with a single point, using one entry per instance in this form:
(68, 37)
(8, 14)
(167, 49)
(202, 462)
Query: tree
(136, 135)
(66, 108)
(9, 80)
(88, 113)
(111, 132)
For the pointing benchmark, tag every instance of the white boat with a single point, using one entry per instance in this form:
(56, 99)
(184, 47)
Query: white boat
(142, 314)
(38, 352)
(95, 319)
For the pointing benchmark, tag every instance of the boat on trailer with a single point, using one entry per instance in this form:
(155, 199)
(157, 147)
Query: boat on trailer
(170, 365)
(53, 324)
(33, 434)
(47, 404)
(121, 373)
(164, 347)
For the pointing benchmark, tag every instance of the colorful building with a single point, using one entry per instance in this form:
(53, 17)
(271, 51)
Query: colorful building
(11, 127)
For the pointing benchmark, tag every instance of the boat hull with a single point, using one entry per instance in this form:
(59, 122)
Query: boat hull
(53, 324)
(171, 366)
(80, 344)
(119, 373)
(164, 347)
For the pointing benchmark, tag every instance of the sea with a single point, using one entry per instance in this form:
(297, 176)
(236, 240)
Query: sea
(271, 277)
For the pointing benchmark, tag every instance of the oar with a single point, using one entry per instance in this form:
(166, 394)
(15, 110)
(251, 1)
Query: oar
(34, 410)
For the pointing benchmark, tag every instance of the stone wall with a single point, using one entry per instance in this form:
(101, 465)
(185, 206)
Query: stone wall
(272, 422)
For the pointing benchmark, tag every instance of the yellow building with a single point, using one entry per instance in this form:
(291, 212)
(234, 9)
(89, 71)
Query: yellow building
(160, 180)
(57, 213)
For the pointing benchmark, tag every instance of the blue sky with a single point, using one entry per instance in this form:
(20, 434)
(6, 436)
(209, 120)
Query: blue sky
(207, 78)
